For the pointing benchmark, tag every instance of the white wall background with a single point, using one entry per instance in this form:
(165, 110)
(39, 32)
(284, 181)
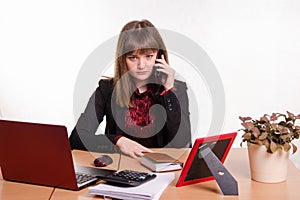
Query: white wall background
(254, 45)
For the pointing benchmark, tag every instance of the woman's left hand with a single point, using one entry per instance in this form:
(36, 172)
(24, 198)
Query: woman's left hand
(131, 148)
(164, 67)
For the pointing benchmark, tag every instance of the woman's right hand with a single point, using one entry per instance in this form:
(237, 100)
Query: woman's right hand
(131, 148)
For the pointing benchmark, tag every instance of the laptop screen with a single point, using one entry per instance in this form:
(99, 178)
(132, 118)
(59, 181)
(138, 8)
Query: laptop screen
(38, 154)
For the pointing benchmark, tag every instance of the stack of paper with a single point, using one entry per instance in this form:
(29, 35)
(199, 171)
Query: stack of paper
(149, 190)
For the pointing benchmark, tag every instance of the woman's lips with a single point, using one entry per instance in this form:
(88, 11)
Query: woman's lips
(141, 73)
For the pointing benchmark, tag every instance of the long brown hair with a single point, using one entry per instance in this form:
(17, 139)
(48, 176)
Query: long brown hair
(135, 36)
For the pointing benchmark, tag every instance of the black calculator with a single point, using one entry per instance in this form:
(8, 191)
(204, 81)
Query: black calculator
(128, 178)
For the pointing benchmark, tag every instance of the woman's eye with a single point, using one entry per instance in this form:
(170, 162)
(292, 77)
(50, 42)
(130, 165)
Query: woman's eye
(132, 57)
(150, 56)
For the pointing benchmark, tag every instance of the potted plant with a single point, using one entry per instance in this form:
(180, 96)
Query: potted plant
(269, 140)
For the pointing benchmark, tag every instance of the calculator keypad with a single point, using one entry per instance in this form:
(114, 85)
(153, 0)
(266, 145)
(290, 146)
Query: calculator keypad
(129, 178)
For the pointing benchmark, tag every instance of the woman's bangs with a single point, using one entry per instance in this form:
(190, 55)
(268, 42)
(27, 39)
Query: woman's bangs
(140, 41)
(142, 51)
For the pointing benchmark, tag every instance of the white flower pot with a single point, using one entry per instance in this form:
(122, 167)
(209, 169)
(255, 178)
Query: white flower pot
(266, 167)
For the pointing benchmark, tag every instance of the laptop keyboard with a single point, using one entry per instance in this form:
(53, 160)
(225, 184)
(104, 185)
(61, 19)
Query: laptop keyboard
(85, 179)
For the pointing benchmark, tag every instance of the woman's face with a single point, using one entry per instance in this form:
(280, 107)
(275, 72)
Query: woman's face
(140, 65)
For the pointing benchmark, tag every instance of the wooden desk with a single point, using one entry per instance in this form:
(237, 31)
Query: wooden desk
(86, 159)
(12, 191)
(236, 163)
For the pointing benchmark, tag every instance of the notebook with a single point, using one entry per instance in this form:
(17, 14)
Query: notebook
(40, 154)
(160, 162)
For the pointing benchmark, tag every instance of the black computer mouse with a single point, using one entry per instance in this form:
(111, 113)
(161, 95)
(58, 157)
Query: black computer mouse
(103, 161)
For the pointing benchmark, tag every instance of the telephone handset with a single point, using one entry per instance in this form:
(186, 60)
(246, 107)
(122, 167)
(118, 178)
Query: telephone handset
(157, 74)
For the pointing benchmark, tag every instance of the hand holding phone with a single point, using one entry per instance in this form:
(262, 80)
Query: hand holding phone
(164, 74)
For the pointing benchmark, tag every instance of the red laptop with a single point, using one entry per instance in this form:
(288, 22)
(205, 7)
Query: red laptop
(40, 154)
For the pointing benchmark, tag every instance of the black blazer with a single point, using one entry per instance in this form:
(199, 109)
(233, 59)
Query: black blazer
(176, 131)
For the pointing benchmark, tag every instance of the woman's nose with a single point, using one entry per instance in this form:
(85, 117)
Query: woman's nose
(142, 63)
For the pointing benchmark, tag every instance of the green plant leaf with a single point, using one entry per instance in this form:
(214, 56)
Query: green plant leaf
(290, 125)
(274, 126)
(243, 119)
(260, 143)
(286, 147)
(273, 147)
(296, 134)
(280, 128)
(256, 132)
(241, 144)
(263, 136)
(267, 144)
(248, 125)
(247, 136)
(284, 137)
(264, 118)
(294, 148)
(275, 131)
(273, 117)
(291, 115)
(285, 130)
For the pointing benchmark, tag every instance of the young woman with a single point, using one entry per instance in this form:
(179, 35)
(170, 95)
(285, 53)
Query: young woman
(145, 107)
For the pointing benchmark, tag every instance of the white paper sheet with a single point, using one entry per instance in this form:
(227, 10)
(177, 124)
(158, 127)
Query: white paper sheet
(150, 190)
